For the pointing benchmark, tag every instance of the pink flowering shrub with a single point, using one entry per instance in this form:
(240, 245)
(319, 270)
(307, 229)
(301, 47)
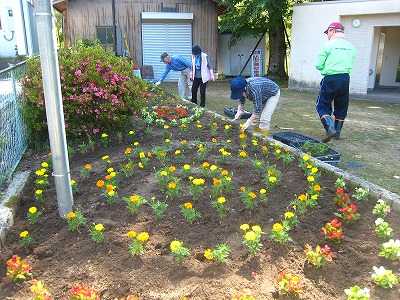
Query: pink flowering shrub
(99, 92)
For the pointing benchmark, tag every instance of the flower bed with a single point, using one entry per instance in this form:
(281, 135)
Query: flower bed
(202, 212)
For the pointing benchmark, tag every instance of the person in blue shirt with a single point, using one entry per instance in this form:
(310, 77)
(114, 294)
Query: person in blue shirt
(178, 64)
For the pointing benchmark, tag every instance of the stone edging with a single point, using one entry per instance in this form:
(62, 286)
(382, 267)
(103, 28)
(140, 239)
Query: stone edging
(376, 190)
(9, 202)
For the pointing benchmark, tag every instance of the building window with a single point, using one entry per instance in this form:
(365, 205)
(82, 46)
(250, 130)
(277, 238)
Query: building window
(168, 8)
(398, 72)
(105, 35)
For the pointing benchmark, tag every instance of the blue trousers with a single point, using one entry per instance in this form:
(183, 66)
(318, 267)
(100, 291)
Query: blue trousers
(334, 88)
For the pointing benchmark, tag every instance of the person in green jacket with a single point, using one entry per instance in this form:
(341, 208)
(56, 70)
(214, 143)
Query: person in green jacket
(335, 62)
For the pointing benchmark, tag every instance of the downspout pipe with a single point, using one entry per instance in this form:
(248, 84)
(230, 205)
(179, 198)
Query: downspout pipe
(24, 27)
(114, 26)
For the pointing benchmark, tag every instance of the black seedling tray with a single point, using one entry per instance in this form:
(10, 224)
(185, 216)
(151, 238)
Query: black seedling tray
(297, 140)
(231, 112)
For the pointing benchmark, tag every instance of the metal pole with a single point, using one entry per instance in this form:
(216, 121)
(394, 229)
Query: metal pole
(114, 26)
(252, 52)
(54, 107)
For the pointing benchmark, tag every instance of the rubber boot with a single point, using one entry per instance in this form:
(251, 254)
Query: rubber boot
(329, 126)
(338, 128)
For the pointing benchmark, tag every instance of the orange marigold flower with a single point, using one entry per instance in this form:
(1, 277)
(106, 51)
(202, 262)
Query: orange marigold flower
(100, 183)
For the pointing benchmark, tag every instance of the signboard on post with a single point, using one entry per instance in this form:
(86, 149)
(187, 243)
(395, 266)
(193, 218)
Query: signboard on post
(257, 63)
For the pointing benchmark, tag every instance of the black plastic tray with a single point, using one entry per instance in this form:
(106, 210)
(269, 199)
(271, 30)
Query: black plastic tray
(231, 112)
(296, 140)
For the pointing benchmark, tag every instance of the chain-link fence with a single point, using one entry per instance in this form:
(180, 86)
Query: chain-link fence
(13, 135)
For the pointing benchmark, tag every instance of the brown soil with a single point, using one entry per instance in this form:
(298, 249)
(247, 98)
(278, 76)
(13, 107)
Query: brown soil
(60, 258)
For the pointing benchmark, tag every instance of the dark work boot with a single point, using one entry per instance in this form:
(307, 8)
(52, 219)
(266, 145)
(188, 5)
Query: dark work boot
(329, 126)
(338, 128)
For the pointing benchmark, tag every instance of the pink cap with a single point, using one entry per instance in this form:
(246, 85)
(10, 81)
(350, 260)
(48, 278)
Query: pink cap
(335, 25)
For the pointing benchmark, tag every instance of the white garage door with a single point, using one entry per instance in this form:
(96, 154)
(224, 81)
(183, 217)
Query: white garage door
(174, 38)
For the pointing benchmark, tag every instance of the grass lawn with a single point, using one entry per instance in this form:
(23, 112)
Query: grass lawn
(370, 144)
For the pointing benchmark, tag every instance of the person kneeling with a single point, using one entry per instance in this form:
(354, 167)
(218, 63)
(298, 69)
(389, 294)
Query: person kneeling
(263, 92)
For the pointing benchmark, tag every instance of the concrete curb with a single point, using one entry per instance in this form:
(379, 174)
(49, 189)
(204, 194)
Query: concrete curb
(9, 203)
(375, 190)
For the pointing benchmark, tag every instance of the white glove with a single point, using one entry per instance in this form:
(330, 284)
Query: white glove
(239, 113)
(252, 121)
(157, 83)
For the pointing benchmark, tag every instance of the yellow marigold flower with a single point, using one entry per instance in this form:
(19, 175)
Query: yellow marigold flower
(208, 254)
(172, 169)
(184, 142)
(99, 227)
(243, 154)
(113, 174)
(141, 166)
(87, 167)
(166, 126)
(131, 234)
(172, 185)
(143, 237)
(317, 188)
(110, 170)
(136, 144)
(163, 173)
(111, 193)
(245, 227)
(306, 157)
(227, 126)
(303, 197)
(44, 164)
(186, 167)
(38, 192)
(105, 157)
(190, 178)
(178, 152)
(71, 215)
(142, 155)
(39, 172)
(175, 246)
(242, 189)
(213, 168)
(188, 205)
(134, 199)
(242, 136)
(198, 181)
(272, 179)
(73, 182)
(310, 178)
(131, 132)
(309, 166)
(24, 234)
(216, 181)
(104, 135)
(205, 165)
(252, 195)
(214, 140)
(227, 178)
(107, 177)
(221, 200)
(314, 170)
(289, 215)
(263, 191)
(277, 227)
(278, 151)
(256, 229)
(229, 141)
(224, 173)
(250, 236)
(100, 183)
(149, 154)
(32, 210)
(199, 126)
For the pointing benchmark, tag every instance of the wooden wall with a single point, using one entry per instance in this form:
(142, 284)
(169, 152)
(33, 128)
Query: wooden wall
(84, 15)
